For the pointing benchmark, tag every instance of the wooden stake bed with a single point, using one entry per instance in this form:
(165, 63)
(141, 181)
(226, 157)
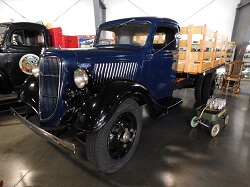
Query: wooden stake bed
(200, 49)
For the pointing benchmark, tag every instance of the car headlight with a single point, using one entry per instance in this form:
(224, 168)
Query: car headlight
(35, 69)
(81, 78)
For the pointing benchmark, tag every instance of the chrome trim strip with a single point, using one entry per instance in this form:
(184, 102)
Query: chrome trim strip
(95, 72)
(130, 71)
(105, 71)
(99, 71)
(123, 70)
(110, 70)
(49, 137)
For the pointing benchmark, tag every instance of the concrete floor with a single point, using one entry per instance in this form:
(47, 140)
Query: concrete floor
(169, 153)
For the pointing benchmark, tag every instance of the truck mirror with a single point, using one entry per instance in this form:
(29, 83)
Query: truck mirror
(178, 36)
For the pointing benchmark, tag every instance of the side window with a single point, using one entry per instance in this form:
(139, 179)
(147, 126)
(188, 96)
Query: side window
(17, 38)
(163, 36)
(106, 37)
(27, 38)
(34, 38)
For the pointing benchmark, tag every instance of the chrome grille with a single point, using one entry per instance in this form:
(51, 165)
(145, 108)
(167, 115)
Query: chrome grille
(105, 71)
(49, 85)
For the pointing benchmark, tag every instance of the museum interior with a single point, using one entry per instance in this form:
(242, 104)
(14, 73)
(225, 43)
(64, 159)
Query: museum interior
(124, 93)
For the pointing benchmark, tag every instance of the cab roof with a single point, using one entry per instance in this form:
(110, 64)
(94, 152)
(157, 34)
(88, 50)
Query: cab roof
(153, 20)
(26, 25)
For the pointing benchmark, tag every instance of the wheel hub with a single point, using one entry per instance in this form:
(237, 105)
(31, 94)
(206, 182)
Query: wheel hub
(126, 136)
(122, 135)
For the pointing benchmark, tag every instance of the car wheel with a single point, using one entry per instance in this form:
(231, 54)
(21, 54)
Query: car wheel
(198, 88)
(113, 145)
(194, 122)
(208, 86)
(215, 130)
(236, 90)
(226, 119)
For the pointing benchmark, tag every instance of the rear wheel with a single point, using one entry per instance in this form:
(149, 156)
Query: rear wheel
(226, 119)
(198, 88)
(113, 145)
(208, 86)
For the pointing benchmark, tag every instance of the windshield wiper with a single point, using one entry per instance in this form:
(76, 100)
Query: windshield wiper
(125, 23)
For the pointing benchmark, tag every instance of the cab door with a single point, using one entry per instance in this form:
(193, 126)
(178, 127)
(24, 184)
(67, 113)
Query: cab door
(24, 48)
(163, 64)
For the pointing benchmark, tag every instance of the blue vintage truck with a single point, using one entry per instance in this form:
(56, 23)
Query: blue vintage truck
(98, 92)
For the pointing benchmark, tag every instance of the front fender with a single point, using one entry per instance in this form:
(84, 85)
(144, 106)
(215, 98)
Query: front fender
(95, 111)
(5, 85)
(29, 92)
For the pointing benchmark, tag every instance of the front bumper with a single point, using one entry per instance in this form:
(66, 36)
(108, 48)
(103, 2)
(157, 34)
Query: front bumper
(46, 135)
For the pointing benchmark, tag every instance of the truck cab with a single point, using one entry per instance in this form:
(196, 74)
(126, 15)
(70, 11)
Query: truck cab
(20, 47)
(98, 91)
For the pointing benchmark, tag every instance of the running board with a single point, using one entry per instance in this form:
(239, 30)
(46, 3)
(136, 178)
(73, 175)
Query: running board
(170, 103)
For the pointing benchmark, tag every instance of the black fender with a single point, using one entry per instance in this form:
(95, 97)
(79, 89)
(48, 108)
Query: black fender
(93, 112)
(5, 85)
(29, 92)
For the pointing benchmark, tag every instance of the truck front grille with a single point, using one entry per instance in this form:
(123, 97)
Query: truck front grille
(49, 85)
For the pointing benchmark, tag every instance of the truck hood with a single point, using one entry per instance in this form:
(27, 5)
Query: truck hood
(104, 55)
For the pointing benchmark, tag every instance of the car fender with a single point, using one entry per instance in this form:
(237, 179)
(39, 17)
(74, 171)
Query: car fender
(93, 112)
(29, 92)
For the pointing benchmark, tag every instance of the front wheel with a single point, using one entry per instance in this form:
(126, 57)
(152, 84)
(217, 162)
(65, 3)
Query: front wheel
(215, 130)
(194, 122)
(236, 90)
(113, 145)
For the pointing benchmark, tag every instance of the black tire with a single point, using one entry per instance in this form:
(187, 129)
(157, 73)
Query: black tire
(98, 149)
(208, 86)
(198, 88)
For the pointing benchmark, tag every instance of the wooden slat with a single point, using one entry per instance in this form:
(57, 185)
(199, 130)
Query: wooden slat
(217, 54)
(189, 47)
(202, 44)
(198, 55)
(214, 48)
(197, 29)
(216, 62)
(183, 43)
(209, 44)
(181, 66)
(194, 56)
(193, 68)
(208, 55)
(210, 33)
(184, 30)
(182, 55)
(206, 65)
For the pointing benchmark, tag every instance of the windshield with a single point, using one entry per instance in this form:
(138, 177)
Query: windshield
(124, 34)
(3, 28)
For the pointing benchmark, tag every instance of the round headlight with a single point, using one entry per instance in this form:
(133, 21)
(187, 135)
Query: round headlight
(35, 69)
(81, 78)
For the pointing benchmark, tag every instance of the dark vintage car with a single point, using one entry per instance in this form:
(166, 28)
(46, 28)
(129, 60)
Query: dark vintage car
(20, 46)
(98, 91)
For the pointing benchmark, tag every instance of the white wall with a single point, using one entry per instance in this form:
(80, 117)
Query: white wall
(218, 16)
(77, 21)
